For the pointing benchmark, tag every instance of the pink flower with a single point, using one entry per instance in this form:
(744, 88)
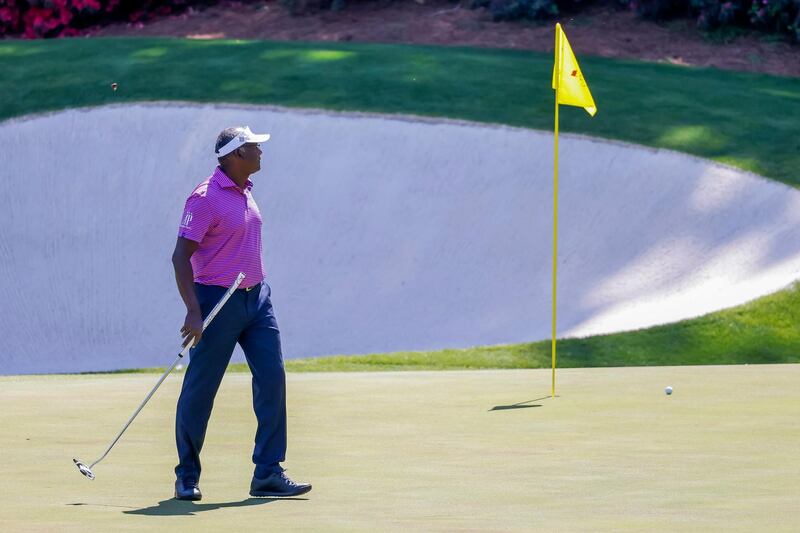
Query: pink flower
(69, 32)
(65, 15)
(35, 18)
(8, 14)
(82, 5)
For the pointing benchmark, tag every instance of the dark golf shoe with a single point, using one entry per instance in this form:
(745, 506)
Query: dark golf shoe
(187, 490)
(278, 484)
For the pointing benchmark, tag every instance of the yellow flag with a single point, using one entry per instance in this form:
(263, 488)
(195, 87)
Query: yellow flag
(568, 82)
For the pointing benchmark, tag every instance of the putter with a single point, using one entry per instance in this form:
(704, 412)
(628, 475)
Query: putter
(87, 470)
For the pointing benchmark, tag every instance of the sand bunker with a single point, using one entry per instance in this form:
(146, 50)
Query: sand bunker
(380, 233)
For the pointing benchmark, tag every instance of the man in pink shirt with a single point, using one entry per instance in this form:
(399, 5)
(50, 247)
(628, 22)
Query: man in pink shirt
(220, 236)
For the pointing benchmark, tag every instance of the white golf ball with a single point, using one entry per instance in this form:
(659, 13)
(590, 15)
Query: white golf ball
(668, 390)
(180, 367)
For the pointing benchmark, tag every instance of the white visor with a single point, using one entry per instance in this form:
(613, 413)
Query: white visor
(244, 136)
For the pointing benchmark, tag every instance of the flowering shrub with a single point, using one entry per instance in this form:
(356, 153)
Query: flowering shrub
(780, 16)
(519, 9)
(64, 18)
(659, 9)
(713, 14)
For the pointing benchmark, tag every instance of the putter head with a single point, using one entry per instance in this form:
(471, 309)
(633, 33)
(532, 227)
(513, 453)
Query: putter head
(84, 469)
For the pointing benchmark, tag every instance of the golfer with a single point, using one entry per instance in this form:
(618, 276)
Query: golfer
(220, 236)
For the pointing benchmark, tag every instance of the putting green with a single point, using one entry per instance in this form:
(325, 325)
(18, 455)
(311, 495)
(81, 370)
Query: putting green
(421, 451)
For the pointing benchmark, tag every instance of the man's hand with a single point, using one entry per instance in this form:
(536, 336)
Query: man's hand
(192, 328)
(193, 325)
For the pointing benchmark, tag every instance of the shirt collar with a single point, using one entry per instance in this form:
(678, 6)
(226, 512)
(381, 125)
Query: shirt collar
(225, 182)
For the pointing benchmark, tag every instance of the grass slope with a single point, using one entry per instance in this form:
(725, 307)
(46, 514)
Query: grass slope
(762, 331)
(746, 120)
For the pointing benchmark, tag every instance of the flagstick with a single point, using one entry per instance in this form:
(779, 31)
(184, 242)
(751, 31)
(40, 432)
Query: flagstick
(555, 245)
(576, 93)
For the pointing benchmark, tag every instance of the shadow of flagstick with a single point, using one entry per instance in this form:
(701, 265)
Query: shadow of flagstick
(520, 405)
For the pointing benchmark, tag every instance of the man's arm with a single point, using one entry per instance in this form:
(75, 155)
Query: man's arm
(184, 276)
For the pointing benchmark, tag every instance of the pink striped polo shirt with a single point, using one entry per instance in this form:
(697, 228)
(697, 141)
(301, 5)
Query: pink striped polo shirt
(226, 222)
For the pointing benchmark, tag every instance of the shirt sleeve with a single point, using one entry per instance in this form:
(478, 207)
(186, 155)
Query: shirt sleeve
(197, 218)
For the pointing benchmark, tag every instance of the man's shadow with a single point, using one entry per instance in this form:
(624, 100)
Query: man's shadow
(173, 507)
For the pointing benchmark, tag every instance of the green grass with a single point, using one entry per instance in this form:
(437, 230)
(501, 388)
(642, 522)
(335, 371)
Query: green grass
(742, 119)
(420, 451)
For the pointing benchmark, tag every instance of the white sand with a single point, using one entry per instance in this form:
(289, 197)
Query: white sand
(381, 233)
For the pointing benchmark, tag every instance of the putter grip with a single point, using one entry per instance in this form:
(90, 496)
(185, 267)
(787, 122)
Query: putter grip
(216, 309)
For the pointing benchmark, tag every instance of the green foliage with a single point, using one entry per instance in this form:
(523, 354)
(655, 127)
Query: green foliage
(714, 14)
(778, 16)
(519, 9)
(659, 9)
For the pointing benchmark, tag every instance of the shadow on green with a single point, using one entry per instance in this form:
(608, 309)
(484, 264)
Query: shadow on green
(173, 507)
(520, 405)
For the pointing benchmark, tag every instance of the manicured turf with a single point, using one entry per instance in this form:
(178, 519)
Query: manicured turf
(747, 120)
(422, 451)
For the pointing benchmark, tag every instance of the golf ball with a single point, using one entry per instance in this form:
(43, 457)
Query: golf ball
(668, 390)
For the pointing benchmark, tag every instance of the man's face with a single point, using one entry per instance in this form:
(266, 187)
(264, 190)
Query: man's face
(251, 157)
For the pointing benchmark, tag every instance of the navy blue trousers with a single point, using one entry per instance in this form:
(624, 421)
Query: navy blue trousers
(247, 318)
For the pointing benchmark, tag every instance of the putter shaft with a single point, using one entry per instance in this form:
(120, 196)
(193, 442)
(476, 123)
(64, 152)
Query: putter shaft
(87, 470)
